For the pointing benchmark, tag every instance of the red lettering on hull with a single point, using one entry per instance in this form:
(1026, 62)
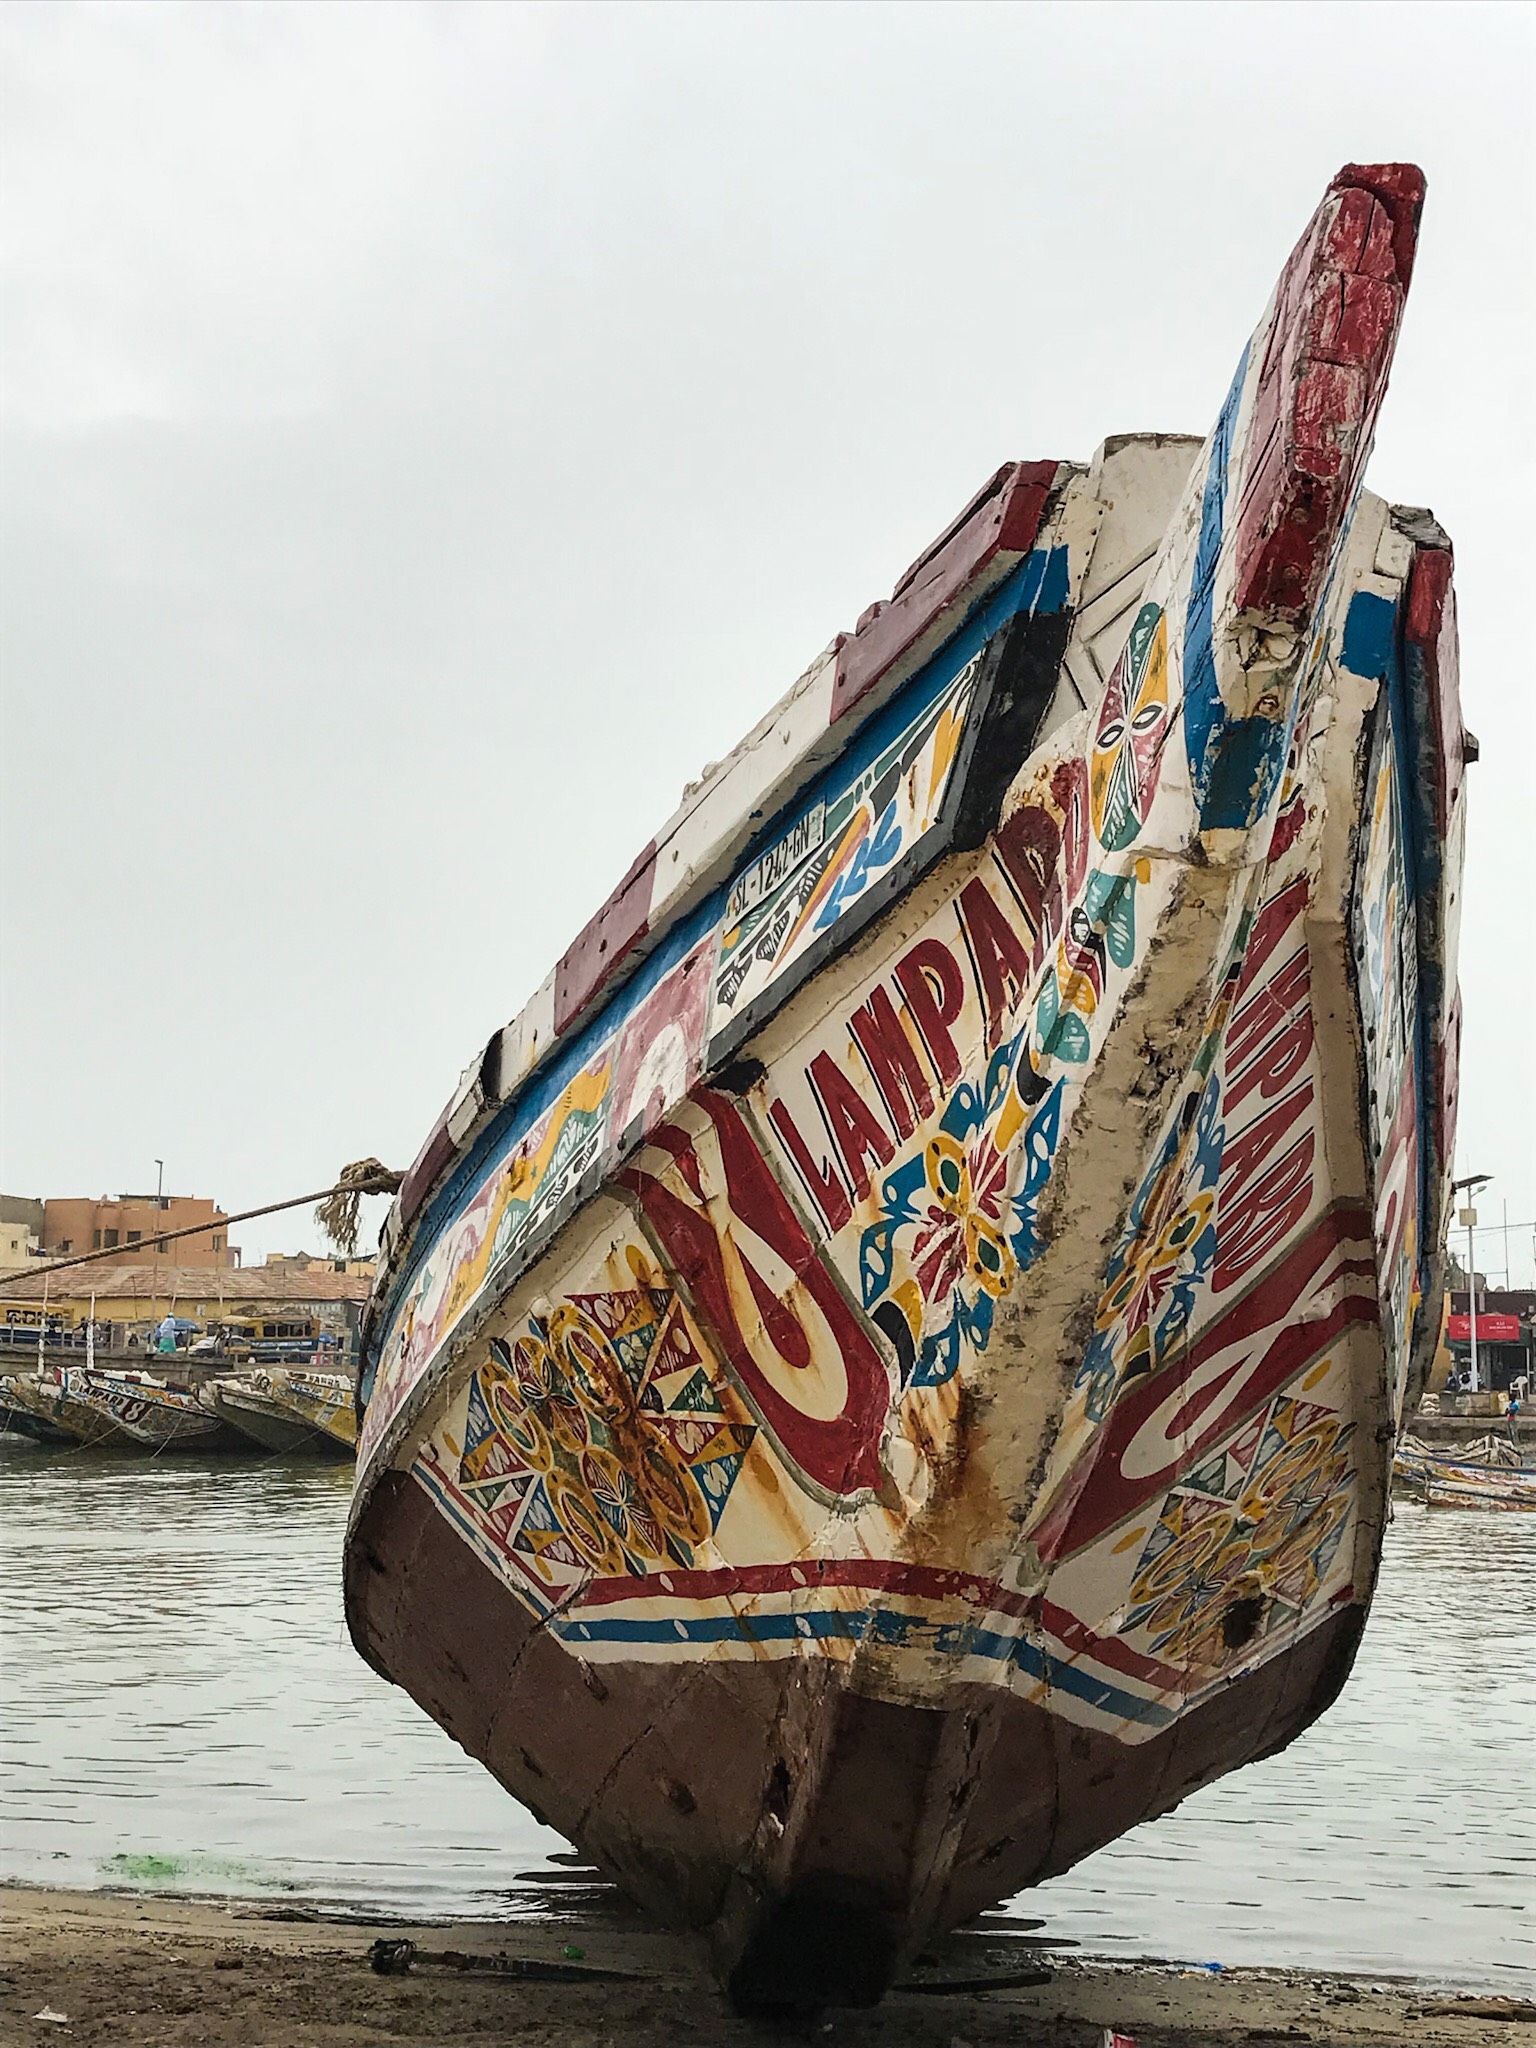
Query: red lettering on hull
(850, 1123)
(934, 991)
(893, 1063)
(998, 955)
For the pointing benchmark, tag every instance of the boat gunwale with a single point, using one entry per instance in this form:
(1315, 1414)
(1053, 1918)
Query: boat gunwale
(568, 1053)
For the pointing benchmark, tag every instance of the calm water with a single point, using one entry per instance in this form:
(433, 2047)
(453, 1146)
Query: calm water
(181, 1708)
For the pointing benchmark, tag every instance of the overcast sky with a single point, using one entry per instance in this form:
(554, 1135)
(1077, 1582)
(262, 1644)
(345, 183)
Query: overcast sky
(431, 434)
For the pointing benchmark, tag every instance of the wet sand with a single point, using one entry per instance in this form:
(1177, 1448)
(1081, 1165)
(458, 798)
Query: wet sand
(170, 1973)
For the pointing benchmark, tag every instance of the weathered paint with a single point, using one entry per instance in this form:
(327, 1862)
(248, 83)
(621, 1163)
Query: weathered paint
(934, 1332)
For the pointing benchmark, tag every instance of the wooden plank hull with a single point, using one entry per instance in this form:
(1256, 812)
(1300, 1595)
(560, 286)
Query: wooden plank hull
(59, 1402)
(1497, 1479)
(884, 1376)
(23, 1415)
(272, 1416)
(905, 1817)
(156, 1418)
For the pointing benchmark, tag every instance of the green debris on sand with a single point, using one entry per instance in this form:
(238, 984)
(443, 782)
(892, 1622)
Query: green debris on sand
(180, 1870)
(145, 1869)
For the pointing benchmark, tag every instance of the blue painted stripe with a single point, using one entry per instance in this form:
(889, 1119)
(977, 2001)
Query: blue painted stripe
(1410, 821)
(1205, 714)
(887, 1627)
(1373, 648)
(1370, 636)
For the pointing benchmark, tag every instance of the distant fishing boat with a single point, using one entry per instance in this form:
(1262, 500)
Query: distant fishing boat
(311, 1412)
(150, 1414)
(59, 1397)
(883, 1376)
(21, 1414)
(1497, 1478)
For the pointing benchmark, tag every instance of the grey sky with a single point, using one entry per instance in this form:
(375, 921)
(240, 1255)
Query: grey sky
(432, 433)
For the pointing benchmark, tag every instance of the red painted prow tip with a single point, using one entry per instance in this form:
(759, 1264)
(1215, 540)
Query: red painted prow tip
(1400, 190)
(1325, 356)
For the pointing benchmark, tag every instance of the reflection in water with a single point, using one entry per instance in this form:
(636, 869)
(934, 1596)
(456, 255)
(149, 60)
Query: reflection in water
(184, 1709)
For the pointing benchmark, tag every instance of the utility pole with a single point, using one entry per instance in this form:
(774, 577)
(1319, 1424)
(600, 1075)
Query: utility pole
(1467, 1217)
(1471, 1214)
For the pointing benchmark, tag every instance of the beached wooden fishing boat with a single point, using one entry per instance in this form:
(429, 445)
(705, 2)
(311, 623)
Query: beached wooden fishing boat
(310, 1412)
(884, 1374)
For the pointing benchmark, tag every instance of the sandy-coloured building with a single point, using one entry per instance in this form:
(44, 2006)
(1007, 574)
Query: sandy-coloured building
(81, 1224)
(268, 1301)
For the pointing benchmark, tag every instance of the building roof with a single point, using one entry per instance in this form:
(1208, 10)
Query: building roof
(230, 1286)
(1497, 1301)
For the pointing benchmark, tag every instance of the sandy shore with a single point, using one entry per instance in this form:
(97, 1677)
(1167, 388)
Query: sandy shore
(153, 1972)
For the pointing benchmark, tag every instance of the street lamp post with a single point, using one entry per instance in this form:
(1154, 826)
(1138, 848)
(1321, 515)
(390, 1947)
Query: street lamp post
(159, 1183)
(1468, 1216)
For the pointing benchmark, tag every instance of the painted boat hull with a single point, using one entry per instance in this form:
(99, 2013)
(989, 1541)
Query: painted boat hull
(909, 1818)
(60, 1406)
(17, 1418)
(278, 1425)
(154, 1418)
(1499, 1480)
(884, 1376)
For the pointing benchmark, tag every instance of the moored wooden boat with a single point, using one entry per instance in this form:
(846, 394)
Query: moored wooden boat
(1480, 1489)
(150, 1414)
(22, 1413)
(1497, 1478)
(312, 1413)
(884, 1375)
(59, 1397)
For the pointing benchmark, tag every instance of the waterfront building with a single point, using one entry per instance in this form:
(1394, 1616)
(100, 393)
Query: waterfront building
(321, 1262)
(128, 1301)
(79, 1224)
(1506, 1334)
(21, 1231)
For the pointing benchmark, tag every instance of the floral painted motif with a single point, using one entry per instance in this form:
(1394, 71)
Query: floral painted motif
(1169, 1243)
(962, 1231)
(594, 1440)
(957, 1218)
(1244, 1543)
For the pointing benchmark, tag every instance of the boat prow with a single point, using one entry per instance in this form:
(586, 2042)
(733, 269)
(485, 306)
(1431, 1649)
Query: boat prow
(25, 1413)
(883, 1376)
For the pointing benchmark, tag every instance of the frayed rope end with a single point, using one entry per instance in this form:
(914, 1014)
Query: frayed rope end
(338, 1214)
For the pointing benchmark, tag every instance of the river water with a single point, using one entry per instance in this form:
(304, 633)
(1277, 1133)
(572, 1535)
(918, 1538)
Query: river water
(180, 1707)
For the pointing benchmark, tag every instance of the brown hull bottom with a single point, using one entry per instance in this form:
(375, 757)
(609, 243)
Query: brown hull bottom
(259, 1423)
(815, 1837)
(189, 1433)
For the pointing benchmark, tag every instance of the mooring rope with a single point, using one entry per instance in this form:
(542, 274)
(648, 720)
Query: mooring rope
(336, 1211)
